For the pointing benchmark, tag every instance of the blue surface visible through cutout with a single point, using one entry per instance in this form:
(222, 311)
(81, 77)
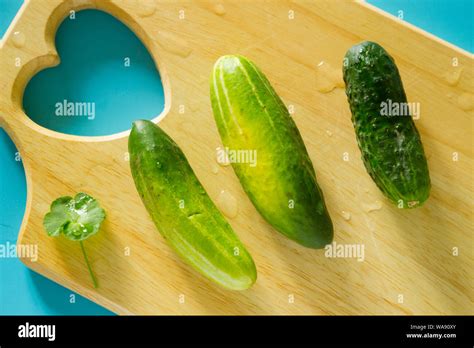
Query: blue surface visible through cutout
(23, 291)
(106, 75)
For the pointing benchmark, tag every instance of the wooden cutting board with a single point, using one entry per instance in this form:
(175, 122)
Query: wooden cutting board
(416, 262)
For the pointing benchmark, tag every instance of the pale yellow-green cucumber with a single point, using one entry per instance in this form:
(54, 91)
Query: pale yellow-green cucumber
(281, 182)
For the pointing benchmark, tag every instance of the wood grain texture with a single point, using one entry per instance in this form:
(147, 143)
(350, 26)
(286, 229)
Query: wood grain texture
(408, 253)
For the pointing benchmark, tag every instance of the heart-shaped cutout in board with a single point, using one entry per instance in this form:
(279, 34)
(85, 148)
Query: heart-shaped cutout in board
(105, 80)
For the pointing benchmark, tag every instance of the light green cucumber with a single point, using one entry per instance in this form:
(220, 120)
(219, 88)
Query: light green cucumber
(183, 212)
(281, 183)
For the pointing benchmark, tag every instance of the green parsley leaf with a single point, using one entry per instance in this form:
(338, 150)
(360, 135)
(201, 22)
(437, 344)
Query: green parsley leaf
(77, 219)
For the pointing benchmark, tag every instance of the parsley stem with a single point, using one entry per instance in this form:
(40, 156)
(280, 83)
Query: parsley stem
(94, 280)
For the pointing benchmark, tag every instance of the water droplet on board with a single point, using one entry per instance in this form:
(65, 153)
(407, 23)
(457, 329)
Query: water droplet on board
(218, 9)
(173, 43)
(145, 8)
(453, 77)
(227, 204)
(224, 163)
(346, 215)
(19, 39)
(221, 157)
(465, 101)
(329, 133)
(370, 223)
(368, 207)
(328, 78)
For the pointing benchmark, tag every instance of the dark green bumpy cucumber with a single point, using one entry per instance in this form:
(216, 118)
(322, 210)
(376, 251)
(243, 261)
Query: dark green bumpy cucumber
(183, 212)
(390, 144)
(281, 184)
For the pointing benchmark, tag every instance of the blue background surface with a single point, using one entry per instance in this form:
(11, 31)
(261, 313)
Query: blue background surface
(451, 20)
(121, 95)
